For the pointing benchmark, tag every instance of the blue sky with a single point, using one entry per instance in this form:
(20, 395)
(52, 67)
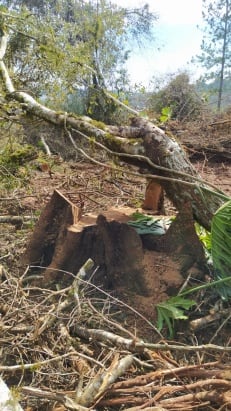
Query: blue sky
(176, 34)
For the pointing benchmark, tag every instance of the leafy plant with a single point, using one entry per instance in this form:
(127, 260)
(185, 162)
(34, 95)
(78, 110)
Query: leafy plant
(179, 96)
(171, 310)
(166, 114)
(13, 160)
(221, 246)
(146, 224)
(205, 237)
(15, 155)
(217, 245)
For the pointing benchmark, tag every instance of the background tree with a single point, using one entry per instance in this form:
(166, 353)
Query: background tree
(179, 96)
(216, 43)
(79, 47)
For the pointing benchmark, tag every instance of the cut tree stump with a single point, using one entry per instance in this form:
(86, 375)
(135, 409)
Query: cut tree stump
(63, 241)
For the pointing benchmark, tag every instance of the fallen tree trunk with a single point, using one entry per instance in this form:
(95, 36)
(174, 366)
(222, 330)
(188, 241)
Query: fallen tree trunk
(142, 144)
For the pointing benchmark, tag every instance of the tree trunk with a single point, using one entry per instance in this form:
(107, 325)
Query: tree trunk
(142, 144)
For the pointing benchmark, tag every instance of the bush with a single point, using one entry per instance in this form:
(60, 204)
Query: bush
(180, 97)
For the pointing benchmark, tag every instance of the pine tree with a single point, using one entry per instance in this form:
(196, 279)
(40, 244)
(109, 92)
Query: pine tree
(216, 43)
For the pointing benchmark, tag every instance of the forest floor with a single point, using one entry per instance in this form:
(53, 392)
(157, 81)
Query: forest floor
(99, 190)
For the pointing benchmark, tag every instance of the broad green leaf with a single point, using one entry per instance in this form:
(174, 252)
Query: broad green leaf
(171, 310)
(221, 246)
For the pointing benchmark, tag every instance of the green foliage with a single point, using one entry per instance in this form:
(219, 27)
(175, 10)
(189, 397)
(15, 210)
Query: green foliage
(146, 224)
(100, 107)
(166, 114)
(15, 155)
(59, 48)
(171, 310)
(217, 245)
(221, 246)
(178, 99)
(205, 237)
(215, 54)
(13, 159)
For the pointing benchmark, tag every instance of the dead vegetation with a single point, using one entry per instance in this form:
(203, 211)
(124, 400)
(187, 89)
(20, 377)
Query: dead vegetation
(80, 347)
(65, 349)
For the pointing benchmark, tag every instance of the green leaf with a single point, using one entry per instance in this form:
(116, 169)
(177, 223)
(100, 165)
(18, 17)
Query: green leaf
(164, 318)
(221, 246)
(171, 310)
(145, 224)
(204, 236)
(217, 246)
(166, 114)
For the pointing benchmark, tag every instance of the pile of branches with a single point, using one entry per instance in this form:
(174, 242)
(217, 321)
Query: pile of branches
(63, 349)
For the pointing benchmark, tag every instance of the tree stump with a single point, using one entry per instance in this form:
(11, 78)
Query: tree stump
(62, 242)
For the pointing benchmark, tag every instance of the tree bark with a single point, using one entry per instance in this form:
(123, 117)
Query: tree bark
(142, 144)
(61, 245)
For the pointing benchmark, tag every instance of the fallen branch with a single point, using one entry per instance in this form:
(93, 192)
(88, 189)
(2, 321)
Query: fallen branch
(67, 401)
(102, 382)
(45, 145)
(35, 365)
(151, 144)
(140, 346)
(137, 395)
(94, 390)
(208, 319)
(190, 371)
(49, 319)
(109, 338)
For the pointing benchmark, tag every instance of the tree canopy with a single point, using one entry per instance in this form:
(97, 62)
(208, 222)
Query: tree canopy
(61, 48)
